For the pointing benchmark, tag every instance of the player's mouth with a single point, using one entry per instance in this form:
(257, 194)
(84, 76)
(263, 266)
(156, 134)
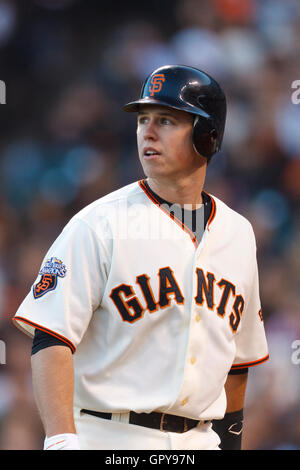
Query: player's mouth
(150, 152)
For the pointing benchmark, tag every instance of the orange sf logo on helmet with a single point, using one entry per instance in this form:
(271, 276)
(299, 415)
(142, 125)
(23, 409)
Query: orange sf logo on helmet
(156, 82)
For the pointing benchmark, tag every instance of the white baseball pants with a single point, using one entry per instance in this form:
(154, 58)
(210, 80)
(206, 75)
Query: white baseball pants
(117, 434)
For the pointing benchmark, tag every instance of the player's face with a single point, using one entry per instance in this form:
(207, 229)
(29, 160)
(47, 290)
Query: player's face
(164, 138)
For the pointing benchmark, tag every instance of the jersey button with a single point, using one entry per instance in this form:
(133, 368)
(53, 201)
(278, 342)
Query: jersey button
(198, 318)
(184, 401)
(193, 360)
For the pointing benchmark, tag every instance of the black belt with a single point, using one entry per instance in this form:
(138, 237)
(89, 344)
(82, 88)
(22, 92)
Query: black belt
(154, 420)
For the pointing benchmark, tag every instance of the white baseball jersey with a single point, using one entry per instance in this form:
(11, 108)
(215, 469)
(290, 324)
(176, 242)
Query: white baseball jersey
(155, 320)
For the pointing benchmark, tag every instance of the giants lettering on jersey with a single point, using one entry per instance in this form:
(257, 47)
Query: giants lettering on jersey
(132, 309)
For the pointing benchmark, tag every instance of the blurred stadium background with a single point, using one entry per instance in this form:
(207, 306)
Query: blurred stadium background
(69, 66)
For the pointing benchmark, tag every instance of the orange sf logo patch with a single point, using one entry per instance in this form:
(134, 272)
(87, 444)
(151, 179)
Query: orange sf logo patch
(156, 82)
(47, 283)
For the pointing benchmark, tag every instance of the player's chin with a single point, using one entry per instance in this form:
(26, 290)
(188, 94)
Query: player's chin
(152, 166)
(154, 171)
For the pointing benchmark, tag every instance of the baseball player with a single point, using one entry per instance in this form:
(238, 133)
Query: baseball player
(146, 313)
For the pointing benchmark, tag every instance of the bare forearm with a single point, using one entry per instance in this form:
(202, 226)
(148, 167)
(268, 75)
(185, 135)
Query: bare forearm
(230, 427)
(235, 388)
(53, 385)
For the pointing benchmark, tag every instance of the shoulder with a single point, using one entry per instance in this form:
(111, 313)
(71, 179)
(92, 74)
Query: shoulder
(112, 202)
(231, 221)
(97, 222)
(102, 217)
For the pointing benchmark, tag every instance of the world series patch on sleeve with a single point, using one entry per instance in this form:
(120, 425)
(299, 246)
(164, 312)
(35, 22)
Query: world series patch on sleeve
(52, 269)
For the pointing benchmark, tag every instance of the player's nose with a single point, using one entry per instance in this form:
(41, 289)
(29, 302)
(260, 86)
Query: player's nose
(150, 131)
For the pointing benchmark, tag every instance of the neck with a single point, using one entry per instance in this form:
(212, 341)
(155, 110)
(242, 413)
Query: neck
(186, 191)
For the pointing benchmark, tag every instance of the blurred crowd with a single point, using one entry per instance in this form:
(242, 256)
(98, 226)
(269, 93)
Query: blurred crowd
(69, 67)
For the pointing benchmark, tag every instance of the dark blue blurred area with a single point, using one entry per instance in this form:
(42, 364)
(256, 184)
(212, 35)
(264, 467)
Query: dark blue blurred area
(69, 66)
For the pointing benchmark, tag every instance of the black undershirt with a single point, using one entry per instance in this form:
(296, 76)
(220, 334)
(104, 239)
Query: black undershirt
(189, 218)
(195, 220)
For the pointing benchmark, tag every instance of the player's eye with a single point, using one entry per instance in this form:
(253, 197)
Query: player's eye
(142, 119)
(165, 121)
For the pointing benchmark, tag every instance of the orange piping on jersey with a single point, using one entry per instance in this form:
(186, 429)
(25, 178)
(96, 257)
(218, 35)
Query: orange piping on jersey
(213, 211)
(250, 364)
(42, 328)
(178, 222)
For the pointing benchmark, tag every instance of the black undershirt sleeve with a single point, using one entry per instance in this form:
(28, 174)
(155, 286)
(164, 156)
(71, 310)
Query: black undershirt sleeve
(238, 371)
(43, 340)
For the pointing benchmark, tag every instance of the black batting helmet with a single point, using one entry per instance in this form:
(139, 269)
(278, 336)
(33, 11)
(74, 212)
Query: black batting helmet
(191, 90)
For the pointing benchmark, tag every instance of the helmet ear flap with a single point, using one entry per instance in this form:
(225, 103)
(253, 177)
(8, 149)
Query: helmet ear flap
(205, 137)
